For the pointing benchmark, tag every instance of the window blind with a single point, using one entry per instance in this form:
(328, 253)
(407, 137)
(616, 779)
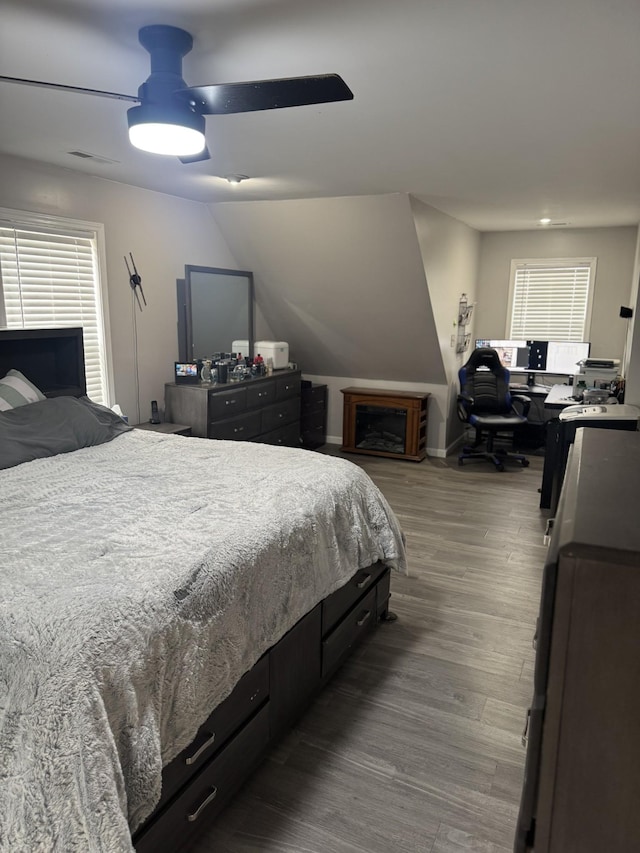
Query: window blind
(50, 280)
(550, 302)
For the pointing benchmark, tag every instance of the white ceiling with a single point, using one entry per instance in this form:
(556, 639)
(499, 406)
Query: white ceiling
(497, 112)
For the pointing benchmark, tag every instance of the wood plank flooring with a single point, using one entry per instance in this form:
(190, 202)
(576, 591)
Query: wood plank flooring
(414, 746)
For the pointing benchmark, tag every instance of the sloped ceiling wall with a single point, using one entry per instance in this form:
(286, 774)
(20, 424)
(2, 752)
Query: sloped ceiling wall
(451, 254)
(343, 281)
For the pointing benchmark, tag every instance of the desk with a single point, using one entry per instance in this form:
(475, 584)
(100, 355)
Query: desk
(529, 390)
(559, 397)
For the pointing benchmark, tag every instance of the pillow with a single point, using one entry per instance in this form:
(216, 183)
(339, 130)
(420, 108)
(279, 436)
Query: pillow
(58, 425)
(16, 390)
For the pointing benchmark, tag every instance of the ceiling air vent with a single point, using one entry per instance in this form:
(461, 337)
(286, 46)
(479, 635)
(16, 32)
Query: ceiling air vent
(87, 155)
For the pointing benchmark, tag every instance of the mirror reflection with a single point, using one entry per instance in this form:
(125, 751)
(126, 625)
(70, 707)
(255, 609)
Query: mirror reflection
(215, 308)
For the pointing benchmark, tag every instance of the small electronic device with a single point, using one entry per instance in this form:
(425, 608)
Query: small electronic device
(155, 414)
(187, 372)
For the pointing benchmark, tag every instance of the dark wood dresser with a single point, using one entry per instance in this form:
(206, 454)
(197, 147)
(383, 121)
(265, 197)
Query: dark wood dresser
(265, 409)
(582, 775)
(313, 420)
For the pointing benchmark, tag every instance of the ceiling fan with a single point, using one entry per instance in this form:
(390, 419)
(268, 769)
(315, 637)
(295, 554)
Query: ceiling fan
(169, 118)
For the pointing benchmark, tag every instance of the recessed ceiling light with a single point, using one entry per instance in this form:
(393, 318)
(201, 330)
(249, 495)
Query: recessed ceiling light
(545, 221)
(236, 179)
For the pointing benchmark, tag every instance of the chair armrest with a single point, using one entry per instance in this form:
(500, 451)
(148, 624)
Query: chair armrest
(521, 400)
(465, 403)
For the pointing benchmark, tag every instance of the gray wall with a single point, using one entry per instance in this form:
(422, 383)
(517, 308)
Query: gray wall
(614, 249)
(343, 281)
(364, 289)
(163, 232)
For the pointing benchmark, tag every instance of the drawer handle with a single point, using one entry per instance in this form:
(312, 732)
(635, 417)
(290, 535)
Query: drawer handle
(229, 402)
(365, 580)
(209, 798)
(191, 759)
(365, 616)
(238, 429)
(525, 734)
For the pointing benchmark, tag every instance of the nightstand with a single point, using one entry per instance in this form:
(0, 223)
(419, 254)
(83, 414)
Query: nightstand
(166, 428)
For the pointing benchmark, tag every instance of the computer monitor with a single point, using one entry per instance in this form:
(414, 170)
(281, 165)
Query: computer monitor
(514, 355)
(563, 356)
(560, 357)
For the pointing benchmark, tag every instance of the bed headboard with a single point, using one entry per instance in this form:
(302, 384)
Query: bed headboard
(53, 359)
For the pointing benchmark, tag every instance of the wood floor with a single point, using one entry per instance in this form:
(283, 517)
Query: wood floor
(414, 747)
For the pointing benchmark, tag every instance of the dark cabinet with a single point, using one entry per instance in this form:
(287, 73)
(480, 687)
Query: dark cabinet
(266, 409)
(582, 776)
(313, 416)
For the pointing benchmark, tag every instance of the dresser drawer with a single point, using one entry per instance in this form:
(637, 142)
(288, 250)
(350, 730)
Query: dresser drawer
(243, 428)
(261, 394)
(286, 436)
(224, 404)
(336, 605)
(248, 694)
(359, 620)
(287, 386)
(280, 414)
(211, 790)
(314, 397)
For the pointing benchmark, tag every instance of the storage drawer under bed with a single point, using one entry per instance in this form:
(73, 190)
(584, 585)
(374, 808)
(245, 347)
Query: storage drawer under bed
(212, 788)
(342, 600)
(337, 645)
(249, 693)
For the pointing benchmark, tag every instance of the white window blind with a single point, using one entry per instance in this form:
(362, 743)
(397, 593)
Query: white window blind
(51, 280)
(551, 300)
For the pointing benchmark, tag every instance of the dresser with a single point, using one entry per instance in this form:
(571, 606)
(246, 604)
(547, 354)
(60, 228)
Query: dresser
(582, 775)
(265, 409)
(313, 420)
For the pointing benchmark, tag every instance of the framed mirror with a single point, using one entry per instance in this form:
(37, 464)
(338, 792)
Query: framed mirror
(215, 308)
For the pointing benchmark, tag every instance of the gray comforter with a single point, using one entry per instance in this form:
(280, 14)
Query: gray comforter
(140, 580)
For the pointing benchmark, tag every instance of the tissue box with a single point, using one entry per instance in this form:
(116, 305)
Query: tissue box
(277, 351)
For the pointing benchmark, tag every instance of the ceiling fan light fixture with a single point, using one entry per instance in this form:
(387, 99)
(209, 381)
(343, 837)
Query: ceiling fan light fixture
(159, 130)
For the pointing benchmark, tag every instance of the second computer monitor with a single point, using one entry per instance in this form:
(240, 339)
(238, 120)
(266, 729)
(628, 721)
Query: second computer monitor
(560, 357)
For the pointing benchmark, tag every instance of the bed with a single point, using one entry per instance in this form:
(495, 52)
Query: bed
(169, 607)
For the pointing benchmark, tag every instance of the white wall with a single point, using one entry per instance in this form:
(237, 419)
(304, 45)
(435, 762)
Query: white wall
(614, 249)
(450, 253)
(632, 389)
(163, 232)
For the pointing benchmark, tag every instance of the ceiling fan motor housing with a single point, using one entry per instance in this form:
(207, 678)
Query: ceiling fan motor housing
(166, 46)
(158, 103)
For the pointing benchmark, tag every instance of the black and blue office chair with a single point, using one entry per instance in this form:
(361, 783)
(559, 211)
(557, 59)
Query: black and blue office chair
(486, 403)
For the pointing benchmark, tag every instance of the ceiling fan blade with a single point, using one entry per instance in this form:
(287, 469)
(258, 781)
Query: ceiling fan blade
(226, 98)
(196, 158)
(63, 88)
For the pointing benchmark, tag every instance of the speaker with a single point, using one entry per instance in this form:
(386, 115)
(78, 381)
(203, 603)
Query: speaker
(155, 415)
(626, 312)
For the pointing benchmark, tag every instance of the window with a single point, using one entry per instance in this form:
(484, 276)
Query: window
(551, 299)
(50, 278)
